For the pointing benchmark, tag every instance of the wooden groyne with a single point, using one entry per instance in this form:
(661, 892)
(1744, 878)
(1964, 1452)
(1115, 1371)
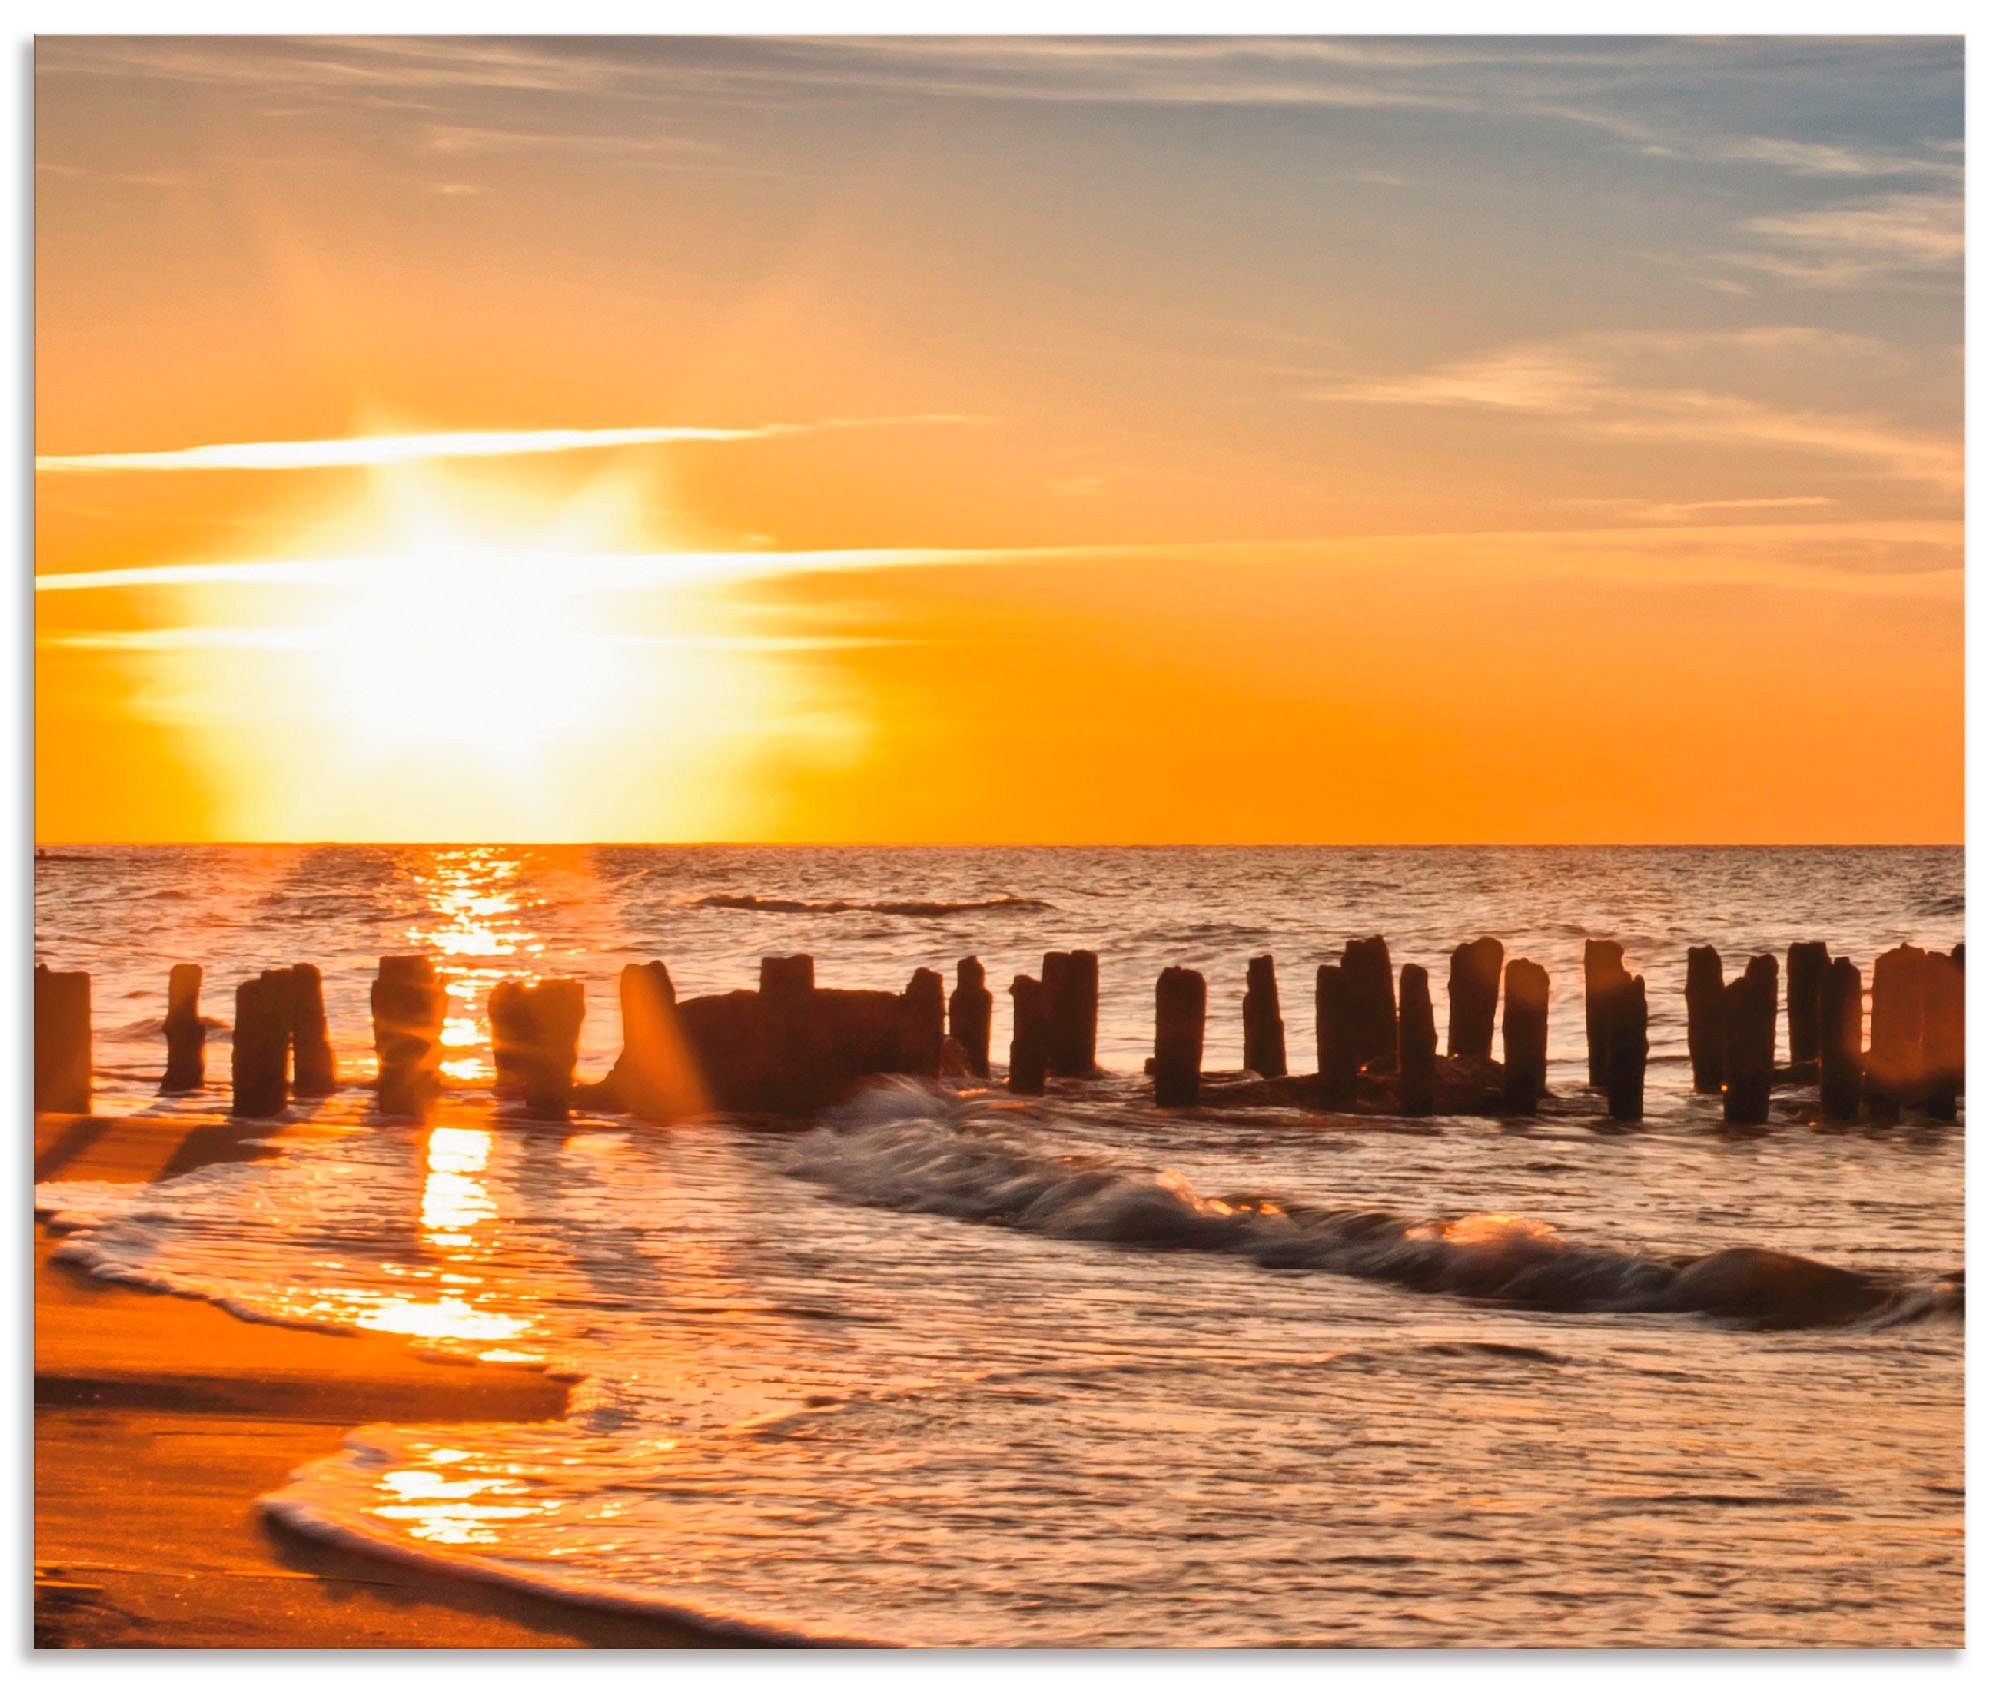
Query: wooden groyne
(790, 1047)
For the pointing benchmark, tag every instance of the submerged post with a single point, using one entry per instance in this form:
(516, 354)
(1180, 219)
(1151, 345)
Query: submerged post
(1524, 1036)
(187, 1034)
(1473, 988)
(1625, 1044)
(1334, 1036)
(1603, 965)
(1028, 1053)
(260, 1043)
(920, 1025)
(972, 1017)
(62, 1040)
(1805, 966)
(1416, 1044)
(407, 1004)
(1705, 1018)
(1838, 1036)
(312, 1048)
(1371, 987)
(1750, 1041)
(1180, 1018)
(1263, 1026)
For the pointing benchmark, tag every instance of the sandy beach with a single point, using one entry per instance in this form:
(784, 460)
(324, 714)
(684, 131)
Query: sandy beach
(159, 1421)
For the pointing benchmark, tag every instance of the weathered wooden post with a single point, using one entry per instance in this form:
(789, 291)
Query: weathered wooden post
(920, 1025)
(407, 1003)
(1371, 990)
(794, 1069)
(1805, 964)
(1334, 1037)
(1944, 1036)
(1473, 989)
(512, 1026)
(1028, 1053)
(62, 1041)
(1750, 1041)
(972, 1017)
(655, 1076)
(1069, 985)
(1180, 1019)
(1416, 1044)
(1263, 1026)
(312, 1049)
(187, 1034)
(260, 1044)
(1524, 1036)
(1704, 1014)
(1625, 1045)
(1896, 1021)
(1603, 966)
(555, 1009)
(1838, 1036)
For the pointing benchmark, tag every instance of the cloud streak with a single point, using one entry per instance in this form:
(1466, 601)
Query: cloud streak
(388, 449)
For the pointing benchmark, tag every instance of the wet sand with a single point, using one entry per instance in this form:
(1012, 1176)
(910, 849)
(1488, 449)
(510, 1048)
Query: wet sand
(159, 1421)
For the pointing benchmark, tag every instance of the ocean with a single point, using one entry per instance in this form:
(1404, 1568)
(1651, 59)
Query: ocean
(947, 1367)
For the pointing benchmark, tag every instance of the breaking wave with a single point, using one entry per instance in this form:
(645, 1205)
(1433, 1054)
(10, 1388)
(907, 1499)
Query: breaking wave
(904, 1146)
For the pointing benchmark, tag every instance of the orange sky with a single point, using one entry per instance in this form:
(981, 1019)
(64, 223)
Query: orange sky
(991, 441)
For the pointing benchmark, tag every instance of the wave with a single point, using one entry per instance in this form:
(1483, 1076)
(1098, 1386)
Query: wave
(904, 1146)
(893, 908)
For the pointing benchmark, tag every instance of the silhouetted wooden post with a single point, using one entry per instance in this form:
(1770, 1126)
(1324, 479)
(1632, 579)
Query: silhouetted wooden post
(1704, 1013)
(1896, 1020)
(312, 1048)
(1028, 1053)
(1473, 988)
(406, 1002)
(1623, 1009)
(1750, 1041)
(1371, 990)
(1603, 965)
(1838, 1036)
(972, 1017)
(187, 1034)
(920, 1025)
(260, 1044)
(62, 1041)
(655, 1076)
(1180, 1019)
(793, 1075)
(511, 1023)
(555, 1009)
(1524, 1036)
(1263, 1027)
(1334, 1038)
(1069, 985)
(1805, 964)
(1416, 1044)
(1944, 1035)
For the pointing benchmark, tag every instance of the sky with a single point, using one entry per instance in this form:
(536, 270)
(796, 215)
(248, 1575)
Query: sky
(990, 440)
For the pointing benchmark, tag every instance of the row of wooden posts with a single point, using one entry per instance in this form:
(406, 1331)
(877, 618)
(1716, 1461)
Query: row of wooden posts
(791, 1046)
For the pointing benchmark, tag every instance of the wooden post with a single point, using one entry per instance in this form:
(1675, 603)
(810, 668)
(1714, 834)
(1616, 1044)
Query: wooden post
(187, 1034)
(1180, 1019)
(1263, 1026)
(260, 1043)
(1750, 1041)
(407, 1005)
(1943, 1075)
(555, 1009)
(1624, 1023)
(655, 1076)
(1333, 1024)
(1704, 1014)
(1603, 965)
(972, 1017)
(1838, 1036)
(1416, 1044)
(312, 1048)
(920, 1025)
(1524, 1036)
(62, 1041)
(793, 1073)
(1473, 989)
(512, 1027)
(1028, 1054)
(1896, 1021)
(1069, 985)
(1371, 989)
(1805, 964)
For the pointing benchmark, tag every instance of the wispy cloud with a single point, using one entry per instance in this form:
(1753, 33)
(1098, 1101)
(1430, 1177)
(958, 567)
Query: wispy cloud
(385, 449)
(1619, 384)
(1900, 237)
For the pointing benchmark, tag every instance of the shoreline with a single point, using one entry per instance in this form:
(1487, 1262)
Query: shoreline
(160, 1421)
